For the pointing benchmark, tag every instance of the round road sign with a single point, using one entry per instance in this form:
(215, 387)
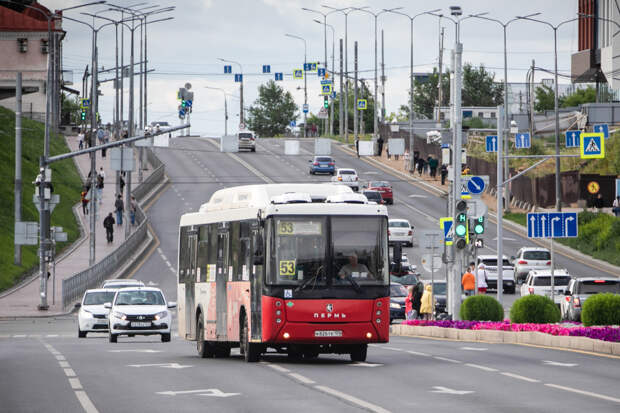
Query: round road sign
(593, 187)
(242, 126)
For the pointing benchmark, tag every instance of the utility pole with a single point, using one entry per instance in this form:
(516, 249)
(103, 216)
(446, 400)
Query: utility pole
(130, 129)
(18, 162)
(439, 85)
(93, 155)
(382, 79)
(340, 105)
(355, 91)
(500, 211)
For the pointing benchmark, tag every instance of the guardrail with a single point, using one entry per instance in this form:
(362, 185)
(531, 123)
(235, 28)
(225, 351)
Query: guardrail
(74, 287)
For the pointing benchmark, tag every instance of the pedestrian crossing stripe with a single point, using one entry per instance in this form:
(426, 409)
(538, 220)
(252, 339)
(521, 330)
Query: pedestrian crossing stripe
(592, 145)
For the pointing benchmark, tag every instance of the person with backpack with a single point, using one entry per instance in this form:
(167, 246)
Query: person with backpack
(108, 224)
(119, 207)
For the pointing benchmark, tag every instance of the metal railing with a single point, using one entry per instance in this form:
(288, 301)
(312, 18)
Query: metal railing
(74, 287)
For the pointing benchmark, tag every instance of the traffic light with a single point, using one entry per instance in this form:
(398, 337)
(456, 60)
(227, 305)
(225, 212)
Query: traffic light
(326, 102)
(183, 103)
(83, 115)
(479, 225)
(460, 225)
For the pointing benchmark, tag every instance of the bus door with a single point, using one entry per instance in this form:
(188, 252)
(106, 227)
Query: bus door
(221, 279)
(190, 285)
(257, 249)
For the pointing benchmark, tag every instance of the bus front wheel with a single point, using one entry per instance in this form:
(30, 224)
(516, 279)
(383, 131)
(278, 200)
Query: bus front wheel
(359, 354)
(249, 350)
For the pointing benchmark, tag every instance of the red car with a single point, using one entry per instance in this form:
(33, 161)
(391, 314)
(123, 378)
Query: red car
(384, 188)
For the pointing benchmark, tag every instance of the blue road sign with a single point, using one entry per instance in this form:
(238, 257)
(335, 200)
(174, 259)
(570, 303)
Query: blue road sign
(602, 128)
(293, 124)
(333, 94)
(552, 225)
(313, 67)
(279, 76)
(182, 113)
(305, 108)
(491, 143)
(321, 72)
(238, 77)
(228, 69)
(326, 90)
(307, 67)
(189, 103)
(447, 223)
(326, 82)
(522, 140)
(573, 137)
(592, 146)
(266, 69)
(361, 104)
(475, 185)
(85, 103)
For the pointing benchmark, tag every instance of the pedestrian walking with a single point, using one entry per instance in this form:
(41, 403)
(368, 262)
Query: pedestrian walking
(444, 174)
(84, 197)
(99, 187)
(387, 152)
(418, 292)
(433, 163)
(380, 145)
(132, 210)
(599, 203)
(122, 184)
(468, 281)
(426, 307)
(421, 163)
(108, 224)
(616, 206)
(482, 278)
(409, 311)
(100, 135)
(80, 141)
(119, 207)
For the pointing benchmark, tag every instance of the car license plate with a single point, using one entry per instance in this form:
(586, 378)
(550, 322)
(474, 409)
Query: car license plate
(323, 165)
(140, 323)
(328, 333)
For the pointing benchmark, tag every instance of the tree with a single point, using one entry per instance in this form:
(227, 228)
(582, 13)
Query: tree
(580, 96)
(480, 88)
(70, 109)
(272, 112)
(426, 95)
(544, 98)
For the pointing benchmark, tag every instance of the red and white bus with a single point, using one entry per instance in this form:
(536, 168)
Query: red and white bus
(299, 268)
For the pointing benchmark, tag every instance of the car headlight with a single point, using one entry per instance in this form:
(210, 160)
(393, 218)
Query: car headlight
(395, 306)
(161, 315)
(86, 313)
(119, 315)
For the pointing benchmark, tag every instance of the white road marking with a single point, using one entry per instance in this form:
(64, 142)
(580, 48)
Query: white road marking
(160, 251)
(64, 364)
(173, 271)
(393, 348)
(301, 378)
(417, 353)
(168, 263)
(557, 363)
(19, 335)
(352, 399)
(474, 348)
(87, 405)
(447, 359)
(516, 376)
(135, 351)
(584, 392)
(203, 392)
(445, 390)
(60, 357)
(70, 373)
(278, 368)
(417, 196)
(75, 384)
(52, 335)
(478, 366)
(363, 364)
(162, 365)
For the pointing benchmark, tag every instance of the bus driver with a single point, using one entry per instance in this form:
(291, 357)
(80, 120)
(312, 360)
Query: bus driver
(353, 269)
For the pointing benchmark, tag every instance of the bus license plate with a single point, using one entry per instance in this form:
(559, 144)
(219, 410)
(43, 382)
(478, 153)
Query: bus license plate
(140, 323)
(328, 333)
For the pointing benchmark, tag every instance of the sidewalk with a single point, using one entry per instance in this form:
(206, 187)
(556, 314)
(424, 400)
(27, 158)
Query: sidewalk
(23, 300)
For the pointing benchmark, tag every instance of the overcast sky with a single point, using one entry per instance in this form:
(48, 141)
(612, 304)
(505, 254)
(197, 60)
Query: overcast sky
(251, 32)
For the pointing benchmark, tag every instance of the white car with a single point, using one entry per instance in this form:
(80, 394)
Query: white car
(247, 140)
(508, 272)
(538, 282)
(122, 283)
(530, 258)
(93, 316)
(400, 230)
(347, 177)
(140, 311)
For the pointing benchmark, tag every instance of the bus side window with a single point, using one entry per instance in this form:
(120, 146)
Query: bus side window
(183, 254)
(203, 248)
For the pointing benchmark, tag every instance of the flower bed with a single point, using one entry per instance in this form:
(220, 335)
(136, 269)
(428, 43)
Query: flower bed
(599, 333)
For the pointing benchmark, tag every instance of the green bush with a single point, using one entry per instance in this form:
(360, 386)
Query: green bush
(534, 309)
(481, 308)
(601, 310)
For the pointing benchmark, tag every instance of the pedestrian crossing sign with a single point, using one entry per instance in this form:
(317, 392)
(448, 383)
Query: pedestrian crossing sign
(592, 145)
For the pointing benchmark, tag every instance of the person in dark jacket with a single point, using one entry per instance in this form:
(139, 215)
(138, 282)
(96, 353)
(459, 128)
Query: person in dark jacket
(417, 296)
(444, 174)
(108, 224)
(119, 207)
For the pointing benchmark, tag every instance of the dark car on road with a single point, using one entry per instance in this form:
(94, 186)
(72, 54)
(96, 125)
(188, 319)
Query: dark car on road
(398, 293)
(373, 196)
(323, 165)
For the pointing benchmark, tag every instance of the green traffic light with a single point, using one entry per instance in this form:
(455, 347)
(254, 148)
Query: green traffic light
(479, 228)
(460, 230)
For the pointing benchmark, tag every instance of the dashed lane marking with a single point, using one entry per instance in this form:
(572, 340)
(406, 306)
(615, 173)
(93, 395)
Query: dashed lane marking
(584, 392)
(70, 373)
(447, 359)
(417, 353)
(478, 366)
(352, 399)
(75, 384)
(518, 377)
(278, 368)
(301, 378)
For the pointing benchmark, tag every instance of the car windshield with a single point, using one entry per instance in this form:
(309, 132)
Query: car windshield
(493, 262)
(139, 297)
(397, 290)
(546, 280)
(372, 195)
(376, 184)
(439, 288)
(537, 255)
(599, 286)
(399, 224)
(346, 172)
(245, 135)
(98, 297)
(323, 159)
(408, 279)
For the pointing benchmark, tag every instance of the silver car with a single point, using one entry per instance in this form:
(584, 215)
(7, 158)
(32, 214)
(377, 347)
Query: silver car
(247, 140)
(528, 259)
(580, 289)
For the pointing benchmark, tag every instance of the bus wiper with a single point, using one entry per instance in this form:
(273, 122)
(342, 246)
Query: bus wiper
(354, 283)
(305, 283)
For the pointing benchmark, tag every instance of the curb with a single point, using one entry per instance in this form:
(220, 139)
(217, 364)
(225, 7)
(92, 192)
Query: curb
(532, 338)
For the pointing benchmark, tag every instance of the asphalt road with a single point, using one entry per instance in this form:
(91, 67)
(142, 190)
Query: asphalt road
(45, 367)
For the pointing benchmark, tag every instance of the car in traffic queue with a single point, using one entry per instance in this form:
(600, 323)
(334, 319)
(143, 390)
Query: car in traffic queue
(93, 316)
(440, 288)
(509, 283)
(122, 283)
(139, 311)
(322, 165)
(347, 176)
(384, 188)
(400, 230)
(398, 294)
(538, 282)
(580, 289)
(373, 196)
(528, 259)
(247, 140)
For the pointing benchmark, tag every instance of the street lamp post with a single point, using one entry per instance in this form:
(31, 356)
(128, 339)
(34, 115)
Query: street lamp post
(241, 118)
(305, 79)
(411, 113)
(331, 107)
(225, 108)
(558, 191)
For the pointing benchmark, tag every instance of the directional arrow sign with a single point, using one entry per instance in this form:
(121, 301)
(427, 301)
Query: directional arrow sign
(491, 143)
(556, 224)
(570, 224)
(602, 128)
(573, 137)
(475, 185)
(445, 390)
(203, 392)
(522, 140)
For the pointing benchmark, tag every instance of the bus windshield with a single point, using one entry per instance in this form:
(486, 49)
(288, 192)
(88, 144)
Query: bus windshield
(352, 252)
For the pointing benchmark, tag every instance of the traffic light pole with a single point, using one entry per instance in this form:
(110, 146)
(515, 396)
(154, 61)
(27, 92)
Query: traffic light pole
(500, 200)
